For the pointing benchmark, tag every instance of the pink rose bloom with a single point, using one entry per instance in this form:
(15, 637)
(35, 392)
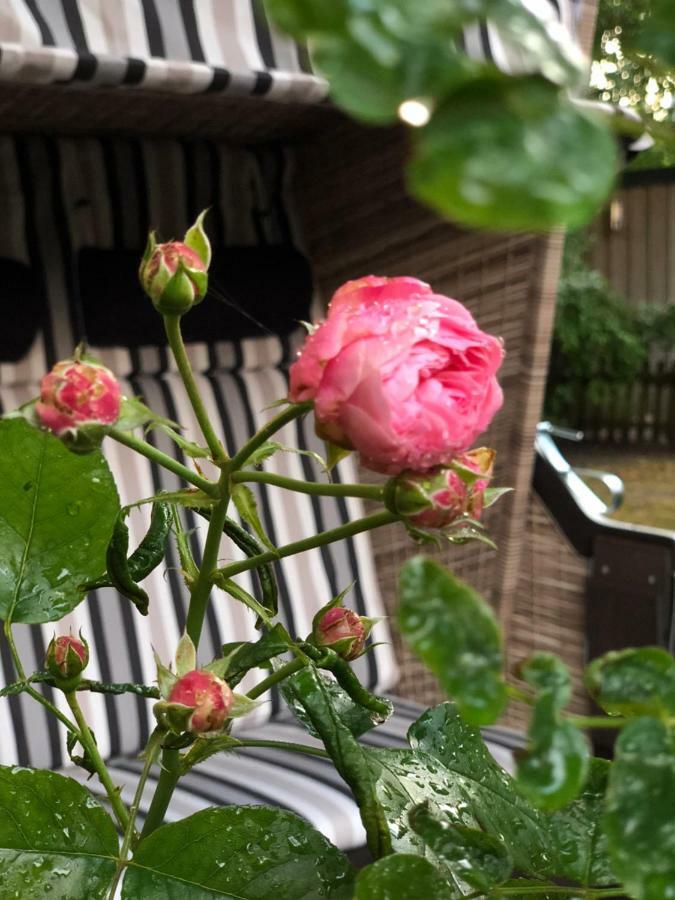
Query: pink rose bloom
(75, 394)
(401, 374)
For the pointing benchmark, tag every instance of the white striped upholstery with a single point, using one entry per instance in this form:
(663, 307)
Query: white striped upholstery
(200, 46)
(197, 46)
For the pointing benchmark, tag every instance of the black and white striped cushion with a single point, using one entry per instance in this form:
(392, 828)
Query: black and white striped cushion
(226, 46)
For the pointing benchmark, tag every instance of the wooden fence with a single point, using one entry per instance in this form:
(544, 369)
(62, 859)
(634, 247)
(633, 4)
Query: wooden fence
(639, 413)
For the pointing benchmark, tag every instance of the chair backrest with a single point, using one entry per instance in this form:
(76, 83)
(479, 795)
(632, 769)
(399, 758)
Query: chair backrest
(77, 213)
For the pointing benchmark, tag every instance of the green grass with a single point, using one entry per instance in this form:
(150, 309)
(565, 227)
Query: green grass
(649, 481)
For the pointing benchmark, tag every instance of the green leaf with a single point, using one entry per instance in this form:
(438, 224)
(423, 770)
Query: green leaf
(555, 767)
(334, 454)
(55, 840)
(206, 746)
(134, 413)
(657, 36)
(514, 154)
(357, 718)
(244, 500)
(251, 853)
(401, 877)
(190, 448)
(454, 632)
(640, 814)
(349, 758)
(490, 793)
(186, 655)
(57, 513)
(547, 672)
(480, 859)
(197, 239)
(633, 682)
(579, 842)
(243, 706)
(242, 656)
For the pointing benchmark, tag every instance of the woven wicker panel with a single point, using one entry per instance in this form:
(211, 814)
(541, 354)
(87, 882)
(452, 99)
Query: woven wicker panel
(54, 109)
(549, 611)
(358, 219)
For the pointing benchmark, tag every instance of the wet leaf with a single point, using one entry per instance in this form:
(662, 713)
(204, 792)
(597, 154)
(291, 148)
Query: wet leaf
(579, 841)
(349, 758)
(480, 859)
(546, 672)
(633, 682)
(55, 840)
(355, 717)
(57, 513)
(252, 853)
(640, 814)
(242, 655)
(555, 766)
(454, 632)
(402, 877)
(514, 154)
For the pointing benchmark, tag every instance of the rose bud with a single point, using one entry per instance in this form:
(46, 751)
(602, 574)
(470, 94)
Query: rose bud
(438, 499)
(209, 697)
(174, 274)
(67, 657)
(399, 373)
(76, 395)
(342, 630)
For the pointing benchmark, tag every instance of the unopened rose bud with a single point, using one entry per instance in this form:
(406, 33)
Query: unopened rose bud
(342, 630)
(77, 395)
(439, 498)
(209, 698)
(174, 274)
(67, 657)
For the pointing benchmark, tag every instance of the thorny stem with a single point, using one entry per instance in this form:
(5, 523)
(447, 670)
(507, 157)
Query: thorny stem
(175, 338)
(283, 745)
(164, 460)
(283, 672)
(168, 779)
(89, 744)
(293, 411)
(376, 520)
(367, 491)
(151, 753)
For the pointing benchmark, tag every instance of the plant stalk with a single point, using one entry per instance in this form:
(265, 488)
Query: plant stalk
(283, 672)
(367, 491)
(89, 744)
(376, 520)
(164, 791)
(293, 411)
(164, 460)
(175, 338)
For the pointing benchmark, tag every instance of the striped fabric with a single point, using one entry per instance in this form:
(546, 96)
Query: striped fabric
(186, 46)
(198, 46)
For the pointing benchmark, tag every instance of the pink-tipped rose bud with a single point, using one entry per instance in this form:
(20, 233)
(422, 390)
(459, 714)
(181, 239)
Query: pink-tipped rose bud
(174, 274)
(67, 657)
(438, 499)
(342, 630)
(76, 394)
(209, 697)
